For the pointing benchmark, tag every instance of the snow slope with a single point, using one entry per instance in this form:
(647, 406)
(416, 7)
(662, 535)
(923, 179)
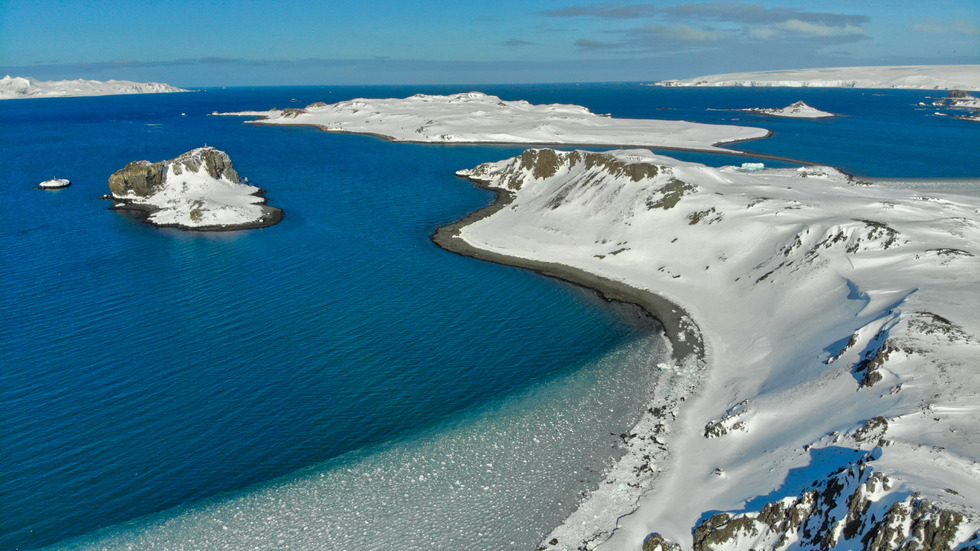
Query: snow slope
(841, 395)
(475, 117)
(198, 190)
(26, 87)
(798, 110)
(928, 77)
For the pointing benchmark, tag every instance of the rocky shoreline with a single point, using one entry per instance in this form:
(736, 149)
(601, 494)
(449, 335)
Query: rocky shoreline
(644, 443)
(270, 216)
(782, 268)
(679, 328)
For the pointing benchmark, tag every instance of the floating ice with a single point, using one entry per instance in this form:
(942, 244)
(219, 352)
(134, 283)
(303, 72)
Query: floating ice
(498, 480)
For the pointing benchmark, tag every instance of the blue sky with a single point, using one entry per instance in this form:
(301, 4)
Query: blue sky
(263, 42)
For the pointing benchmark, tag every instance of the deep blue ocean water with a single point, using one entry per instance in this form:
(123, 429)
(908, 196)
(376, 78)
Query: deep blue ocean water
(146, 369)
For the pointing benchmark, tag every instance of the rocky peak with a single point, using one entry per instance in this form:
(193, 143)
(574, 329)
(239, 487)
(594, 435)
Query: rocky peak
(143, 178)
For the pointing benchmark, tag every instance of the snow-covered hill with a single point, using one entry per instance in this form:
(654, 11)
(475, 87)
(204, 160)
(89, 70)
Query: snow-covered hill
(475, 117)
(798, 110)
(839, 406)
(26, 87)
(199, 190)
(926, 77)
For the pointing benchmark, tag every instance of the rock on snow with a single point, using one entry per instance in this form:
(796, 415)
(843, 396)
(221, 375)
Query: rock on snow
(839, 405)
(198, 190)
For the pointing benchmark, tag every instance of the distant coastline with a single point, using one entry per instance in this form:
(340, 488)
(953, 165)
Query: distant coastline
(916, 77)
(29, 88)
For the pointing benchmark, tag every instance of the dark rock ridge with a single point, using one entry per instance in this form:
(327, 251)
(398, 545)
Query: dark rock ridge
(855, 508)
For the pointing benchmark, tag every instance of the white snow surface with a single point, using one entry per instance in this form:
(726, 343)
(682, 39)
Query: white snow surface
(475, 117)
(796, 278)
(798, 110)
(54, 183)
(26, 87)
(925, 77)
(194, 199)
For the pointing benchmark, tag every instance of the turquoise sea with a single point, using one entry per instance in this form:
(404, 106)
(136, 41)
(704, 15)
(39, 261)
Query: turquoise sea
(335, 381)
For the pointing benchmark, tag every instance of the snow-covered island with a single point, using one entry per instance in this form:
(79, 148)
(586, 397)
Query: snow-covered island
(54, 183)
(924, 77)
(960, 105)
(26, 87)
(798, 110)
(476, 117)
(199, 190)
(826, 341)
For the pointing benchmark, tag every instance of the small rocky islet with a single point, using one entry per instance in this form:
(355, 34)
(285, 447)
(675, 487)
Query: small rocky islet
(199, 190)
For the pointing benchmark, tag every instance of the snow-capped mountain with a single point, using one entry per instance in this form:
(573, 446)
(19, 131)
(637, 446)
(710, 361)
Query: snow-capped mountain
(26, 87)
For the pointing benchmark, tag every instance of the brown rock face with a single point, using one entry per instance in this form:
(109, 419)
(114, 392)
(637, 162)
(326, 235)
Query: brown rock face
(140, 178)
(143, 178)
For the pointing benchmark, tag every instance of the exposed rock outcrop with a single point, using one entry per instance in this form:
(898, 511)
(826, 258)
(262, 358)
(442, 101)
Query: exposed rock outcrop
(198, 190)
(855, 508)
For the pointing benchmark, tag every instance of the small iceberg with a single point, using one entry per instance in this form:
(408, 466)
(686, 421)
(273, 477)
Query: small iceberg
(752, 167)
(54, 183)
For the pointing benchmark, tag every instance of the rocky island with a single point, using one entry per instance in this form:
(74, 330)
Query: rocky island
(959, 104)
(798, 110)
(199, 190)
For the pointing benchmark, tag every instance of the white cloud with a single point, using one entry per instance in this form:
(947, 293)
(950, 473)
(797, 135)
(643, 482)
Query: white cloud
(683, 33)
(691, 34)
(762, 33)
(819, 29)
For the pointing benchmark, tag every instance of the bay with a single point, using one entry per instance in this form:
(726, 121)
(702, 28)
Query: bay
(156, 372)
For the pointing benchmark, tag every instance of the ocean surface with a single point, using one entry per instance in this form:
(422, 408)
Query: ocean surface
(335, 381)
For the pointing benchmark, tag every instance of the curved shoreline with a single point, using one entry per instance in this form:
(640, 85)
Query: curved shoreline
(679, 328)
(642, 444)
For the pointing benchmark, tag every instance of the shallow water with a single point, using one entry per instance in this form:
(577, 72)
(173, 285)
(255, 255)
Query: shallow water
(146, 369)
